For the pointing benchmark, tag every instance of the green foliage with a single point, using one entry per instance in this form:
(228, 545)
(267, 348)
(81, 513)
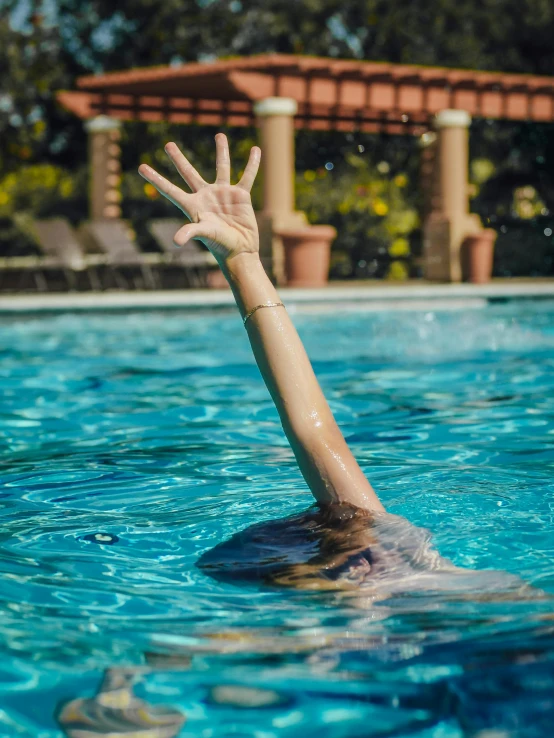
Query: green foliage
(373, 212)
(524, 247)
(47, 52)
(32, 127)
(515, 35)
(364, 186)
(35, 191)
(517, 156)
(36, 188)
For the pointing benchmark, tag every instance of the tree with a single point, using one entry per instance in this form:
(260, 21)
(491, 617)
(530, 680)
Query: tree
(512, 35)
(32, 126)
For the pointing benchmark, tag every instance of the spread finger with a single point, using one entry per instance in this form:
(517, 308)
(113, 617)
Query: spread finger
(166, 188)
(223, 160)
(184, 167)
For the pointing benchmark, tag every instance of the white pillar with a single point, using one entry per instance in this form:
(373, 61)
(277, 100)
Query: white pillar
(275, 118)
(449, 222)
(276, 122)
(104, 167)
(453, 152)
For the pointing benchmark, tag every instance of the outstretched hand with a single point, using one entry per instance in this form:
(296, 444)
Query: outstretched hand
(221, 214)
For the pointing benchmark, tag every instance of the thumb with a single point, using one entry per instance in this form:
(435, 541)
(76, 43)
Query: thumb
(191, 230)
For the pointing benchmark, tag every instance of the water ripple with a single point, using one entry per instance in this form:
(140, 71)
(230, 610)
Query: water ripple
(131, 445)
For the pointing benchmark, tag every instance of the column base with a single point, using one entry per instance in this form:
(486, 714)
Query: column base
(272, 251)
(442, 240)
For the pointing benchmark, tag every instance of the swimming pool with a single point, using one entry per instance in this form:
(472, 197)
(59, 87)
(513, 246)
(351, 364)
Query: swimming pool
(155, 430)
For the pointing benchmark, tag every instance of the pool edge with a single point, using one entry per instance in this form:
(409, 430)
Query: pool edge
(439, 296)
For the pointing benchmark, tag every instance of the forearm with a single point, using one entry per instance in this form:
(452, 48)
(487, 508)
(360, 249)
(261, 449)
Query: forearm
(222, 217)
(323, 456)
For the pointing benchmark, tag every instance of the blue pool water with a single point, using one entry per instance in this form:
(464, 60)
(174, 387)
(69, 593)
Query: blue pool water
(155, 430)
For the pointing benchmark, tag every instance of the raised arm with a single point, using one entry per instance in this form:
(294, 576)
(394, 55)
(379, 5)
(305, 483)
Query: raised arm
(222, 217)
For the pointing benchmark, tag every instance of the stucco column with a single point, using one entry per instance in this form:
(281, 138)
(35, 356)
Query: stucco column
(275, 119)
(449, 221)
(453, 142)
(104, 168)
(276, 122)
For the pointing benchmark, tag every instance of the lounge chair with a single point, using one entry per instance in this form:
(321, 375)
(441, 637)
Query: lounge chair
(22, 267)
(62, 250)
(112, 238)
(61, 253)
(195, 261)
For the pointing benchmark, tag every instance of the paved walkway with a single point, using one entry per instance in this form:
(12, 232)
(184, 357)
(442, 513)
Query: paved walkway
(337, 296)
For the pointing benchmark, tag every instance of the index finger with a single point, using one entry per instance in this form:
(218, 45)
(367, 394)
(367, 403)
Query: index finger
(251, 169)
(166, 188)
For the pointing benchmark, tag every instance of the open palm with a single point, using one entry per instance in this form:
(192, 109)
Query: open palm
(221, 214)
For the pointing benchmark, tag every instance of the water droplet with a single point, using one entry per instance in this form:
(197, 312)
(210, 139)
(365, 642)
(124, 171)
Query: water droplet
(361, 148)
(548, 231)
(329, 165)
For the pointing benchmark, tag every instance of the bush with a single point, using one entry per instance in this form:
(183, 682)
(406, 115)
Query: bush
(524, 248)
(37, 191)
(372, 212)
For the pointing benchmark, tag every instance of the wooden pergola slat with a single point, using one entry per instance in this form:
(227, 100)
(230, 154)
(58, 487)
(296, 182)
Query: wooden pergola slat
(331, 94)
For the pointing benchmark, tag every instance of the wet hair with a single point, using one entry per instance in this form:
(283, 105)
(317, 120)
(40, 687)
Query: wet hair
(316, 549)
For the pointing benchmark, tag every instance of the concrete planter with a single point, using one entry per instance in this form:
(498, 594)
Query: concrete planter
(307, 254)
(479, 253)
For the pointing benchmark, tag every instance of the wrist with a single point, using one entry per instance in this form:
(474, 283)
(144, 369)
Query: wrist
(241, 265)
(249, 282)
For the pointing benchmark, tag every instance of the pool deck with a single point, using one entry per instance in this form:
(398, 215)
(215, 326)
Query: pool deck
(345, 296)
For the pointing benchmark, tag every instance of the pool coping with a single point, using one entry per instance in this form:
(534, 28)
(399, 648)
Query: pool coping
(377, 297)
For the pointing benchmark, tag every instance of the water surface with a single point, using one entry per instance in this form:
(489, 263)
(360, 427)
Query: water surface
(156, 431)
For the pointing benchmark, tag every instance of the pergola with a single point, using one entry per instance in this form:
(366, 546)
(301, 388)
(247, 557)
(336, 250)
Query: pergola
(279, 93)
